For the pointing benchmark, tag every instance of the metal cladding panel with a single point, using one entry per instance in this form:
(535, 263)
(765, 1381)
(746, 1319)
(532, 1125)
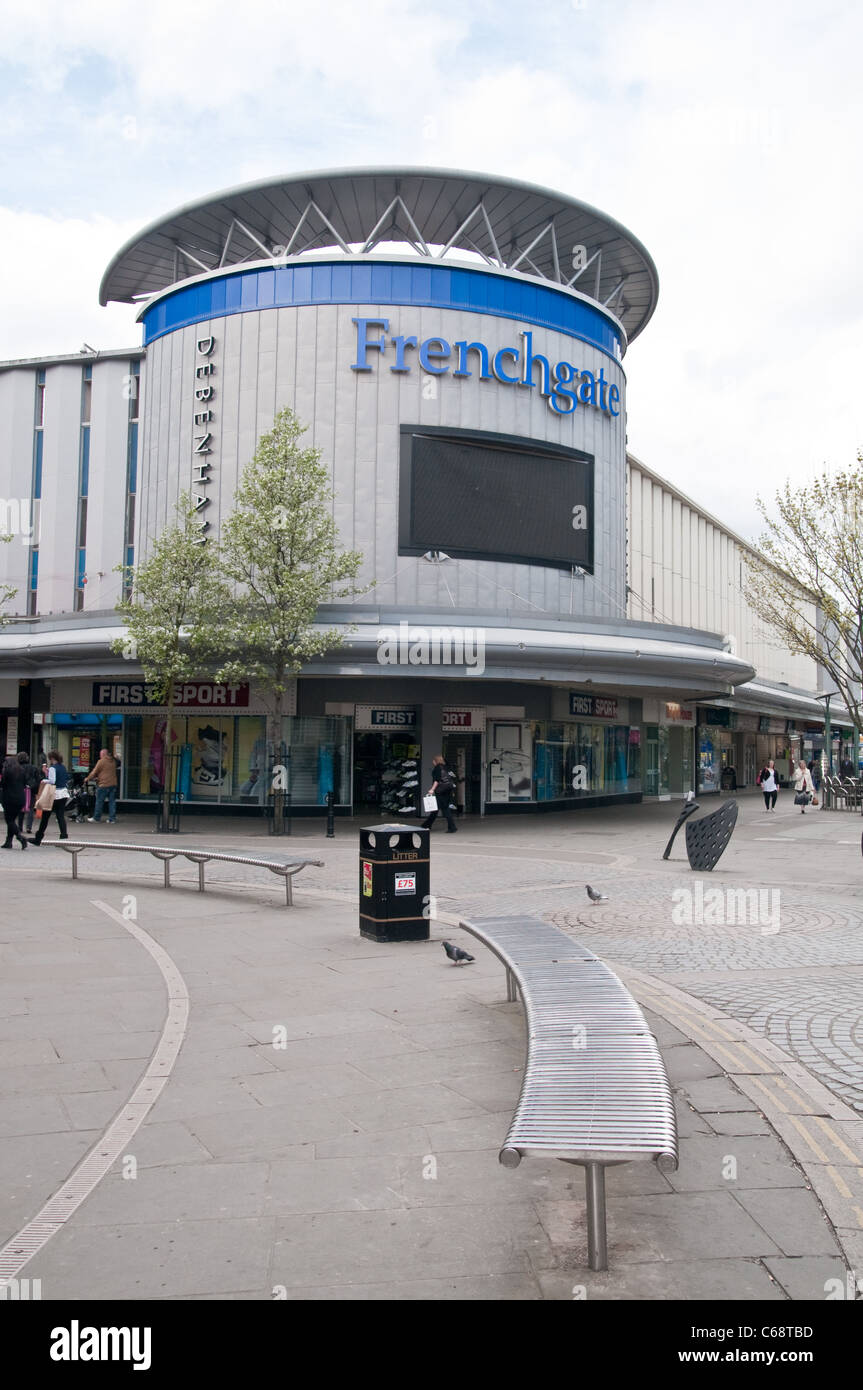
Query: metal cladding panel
(106, 506)
(302, 357)
(686, 569)
(59, 511)
(17, 407)
(350, 282)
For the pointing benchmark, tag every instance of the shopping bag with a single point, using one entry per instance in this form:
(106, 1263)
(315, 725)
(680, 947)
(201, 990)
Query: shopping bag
(429, 804)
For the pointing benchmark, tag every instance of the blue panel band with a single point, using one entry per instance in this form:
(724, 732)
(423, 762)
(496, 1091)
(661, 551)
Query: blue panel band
(381, 283)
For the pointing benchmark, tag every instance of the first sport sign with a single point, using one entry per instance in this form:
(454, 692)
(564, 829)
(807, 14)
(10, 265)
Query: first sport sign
(190, 695)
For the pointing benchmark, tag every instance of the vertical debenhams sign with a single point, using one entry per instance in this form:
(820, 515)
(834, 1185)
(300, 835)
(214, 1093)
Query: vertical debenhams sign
(202, 448)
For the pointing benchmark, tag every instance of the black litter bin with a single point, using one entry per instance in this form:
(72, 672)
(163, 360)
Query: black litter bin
(394, 883)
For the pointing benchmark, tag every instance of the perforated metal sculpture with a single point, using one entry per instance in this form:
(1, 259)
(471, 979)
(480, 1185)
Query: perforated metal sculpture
(706, 838)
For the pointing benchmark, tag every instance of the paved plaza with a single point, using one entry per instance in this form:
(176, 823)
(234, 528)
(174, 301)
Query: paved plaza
(320, 1116)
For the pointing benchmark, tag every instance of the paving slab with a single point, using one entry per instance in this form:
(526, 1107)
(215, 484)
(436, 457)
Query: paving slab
(738, 1161)
(733, 1123)
(157, 1259)
(491, 1288)
(712, 1281)
(791, 1219)
(194, 1191)
(808, 1278)
(439, 1242)
(267, 1131)
(715, 1093)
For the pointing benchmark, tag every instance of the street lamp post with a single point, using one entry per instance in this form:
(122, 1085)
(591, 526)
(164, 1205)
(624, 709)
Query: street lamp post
(828, 739)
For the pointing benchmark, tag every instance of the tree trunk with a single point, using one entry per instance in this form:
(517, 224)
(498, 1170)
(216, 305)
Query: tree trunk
(166, 788)
(279, 792)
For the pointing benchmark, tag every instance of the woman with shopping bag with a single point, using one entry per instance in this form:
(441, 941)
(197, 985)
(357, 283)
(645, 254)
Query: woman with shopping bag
(53, 795)
(804, 789)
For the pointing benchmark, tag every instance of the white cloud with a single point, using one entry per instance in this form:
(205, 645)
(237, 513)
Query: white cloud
(49, 285)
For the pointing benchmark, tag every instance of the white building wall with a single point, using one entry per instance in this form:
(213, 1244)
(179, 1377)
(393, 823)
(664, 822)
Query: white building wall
(697, 568)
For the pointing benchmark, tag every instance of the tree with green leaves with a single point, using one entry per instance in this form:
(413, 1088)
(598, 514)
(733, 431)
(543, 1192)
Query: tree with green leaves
(280, 549)
(806, 580)
(173, 617)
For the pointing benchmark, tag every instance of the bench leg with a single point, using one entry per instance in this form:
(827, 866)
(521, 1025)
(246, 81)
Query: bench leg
(511, 988)
(75, 854)
(597, 1243)
(201, 876)
(166, 864)
(289, 891)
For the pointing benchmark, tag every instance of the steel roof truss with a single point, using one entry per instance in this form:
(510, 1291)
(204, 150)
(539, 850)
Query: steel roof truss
(376, 235)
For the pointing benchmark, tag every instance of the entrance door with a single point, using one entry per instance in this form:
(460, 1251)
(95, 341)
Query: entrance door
(463, 753)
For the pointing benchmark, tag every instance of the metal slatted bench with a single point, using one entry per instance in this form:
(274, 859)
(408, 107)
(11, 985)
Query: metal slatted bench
(285, 868)
(595, 1091)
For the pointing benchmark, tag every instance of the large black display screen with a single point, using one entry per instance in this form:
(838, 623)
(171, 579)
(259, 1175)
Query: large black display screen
(489, 497)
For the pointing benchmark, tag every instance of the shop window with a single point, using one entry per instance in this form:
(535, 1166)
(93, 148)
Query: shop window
(510, 762)
(227, 760)
(574, 761)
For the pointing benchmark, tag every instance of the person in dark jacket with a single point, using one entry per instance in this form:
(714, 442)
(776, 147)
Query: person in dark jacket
(768, 781)
(32, 779)
(12, 794)
(443, 790)
(58, 778)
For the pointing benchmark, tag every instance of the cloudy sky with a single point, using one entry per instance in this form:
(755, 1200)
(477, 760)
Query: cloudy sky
(726, 137)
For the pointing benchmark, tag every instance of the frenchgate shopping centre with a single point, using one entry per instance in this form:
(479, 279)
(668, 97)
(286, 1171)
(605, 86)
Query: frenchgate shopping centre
(567, 627)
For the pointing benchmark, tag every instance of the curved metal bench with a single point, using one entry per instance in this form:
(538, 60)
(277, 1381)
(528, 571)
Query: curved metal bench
(285, 868)
(595, 1091)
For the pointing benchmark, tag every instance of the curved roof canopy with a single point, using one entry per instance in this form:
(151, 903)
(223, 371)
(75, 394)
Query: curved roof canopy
(510, 225)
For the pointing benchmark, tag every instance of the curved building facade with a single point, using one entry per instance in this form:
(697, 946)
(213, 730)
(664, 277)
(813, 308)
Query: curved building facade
(455, 345)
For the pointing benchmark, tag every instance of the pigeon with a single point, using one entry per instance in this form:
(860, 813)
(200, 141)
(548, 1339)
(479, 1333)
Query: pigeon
(594, 896)
(457, 955)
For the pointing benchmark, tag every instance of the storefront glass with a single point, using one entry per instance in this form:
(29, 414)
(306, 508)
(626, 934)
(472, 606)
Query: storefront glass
(388, 775)
(574, 761)
(510, 761)
(225, 760)
(79, 739)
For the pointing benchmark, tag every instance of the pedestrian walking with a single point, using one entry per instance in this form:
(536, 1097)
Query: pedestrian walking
(801, 779)
(769, 784)
(32, 778)
(104, 774)
(12, 794)
(443, 790)
(53, 795)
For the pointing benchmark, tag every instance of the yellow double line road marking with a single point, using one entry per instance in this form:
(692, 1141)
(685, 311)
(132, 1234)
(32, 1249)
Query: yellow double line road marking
(710, 1031)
